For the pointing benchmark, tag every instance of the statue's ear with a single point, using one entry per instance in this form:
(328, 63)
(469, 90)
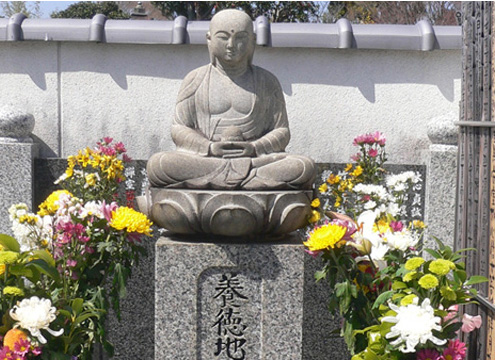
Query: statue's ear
(208, 37)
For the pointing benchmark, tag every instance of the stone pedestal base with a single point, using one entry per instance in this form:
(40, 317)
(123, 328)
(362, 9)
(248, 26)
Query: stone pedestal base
(227, 213)
(229, 301)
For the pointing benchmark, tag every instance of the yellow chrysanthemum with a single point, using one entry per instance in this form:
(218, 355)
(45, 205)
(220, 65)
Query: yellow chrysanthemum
(333, 179)
(96, 160)
(381, 226)
(90, 179)
(418, 224)
(409, 276)
(2, 269)
(326, 236)
(315, 203)
(13, 291)
(323, 188)
(28, 219)
(48, 207)
(441, 266)
(315, 216)
(71, 162)
(414, 263)
(8, 257)
(348, 167)
(130, 220)
(407, 300)
(357, 171)
(14, 336)
(84, 158)
(448, 293)
(428, 281)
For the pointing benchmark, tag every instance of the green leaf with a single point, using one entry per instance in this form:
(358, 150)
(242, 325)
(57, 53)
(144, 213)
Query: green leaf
(434, 253)
(44, 268)
(398, 285)
(460, 276)
(9, 243)
(321, 274)
(465, 249)
(476, 279)
(382, 298)
(85, 316)
(21, 270)
(65, 313)
(44, 255)
(439, 242)
(340, 289)
(77, 306)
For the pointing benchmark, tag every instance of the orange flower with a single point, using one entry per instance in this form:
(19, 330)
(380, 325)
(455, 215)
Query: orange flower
(13, 336)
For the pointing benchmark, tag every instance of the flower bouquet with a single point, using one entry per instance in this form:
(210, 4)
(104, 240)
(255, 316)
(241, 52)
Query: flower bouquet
(396, 300)
(69, 263)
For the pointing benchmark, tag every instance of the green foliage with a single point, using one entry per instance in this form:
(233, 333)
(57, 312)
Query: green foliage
(393, 12)
(275, 11)
(30, 9)
(88, 9)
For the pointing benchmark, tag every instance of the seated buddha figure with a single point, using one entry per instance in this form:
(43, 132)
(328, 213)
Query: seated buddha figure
(230, 125)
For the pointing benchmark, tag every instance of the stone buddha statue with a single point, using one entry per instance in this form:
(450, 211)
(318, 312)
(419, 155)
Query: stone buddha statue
(230, 124)
(230, 174)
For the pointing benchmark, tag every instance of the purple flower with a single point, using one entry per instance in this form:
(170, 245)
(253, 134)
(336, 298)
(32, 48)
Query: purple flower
(428, 354)
(71, 263)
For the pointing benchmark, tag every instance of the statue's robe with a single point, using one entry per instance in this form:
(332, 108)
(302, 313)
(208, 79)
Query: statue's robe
(194, 129)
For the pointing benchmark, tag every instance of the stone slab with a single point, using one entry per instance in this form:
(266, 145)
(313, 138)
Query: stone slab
(219, 300)
(441, 197)
(16, 178)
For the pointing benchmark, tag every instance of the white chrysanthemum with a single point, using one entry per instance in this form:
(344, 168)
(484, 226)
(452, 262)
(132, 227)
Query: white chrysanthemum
(17, 210)
(34, 314)
(369, 205)
(401, 240)
(45, 225)
(366, 221)
(93, 208)
(370, 189)
(393, 209)
(398, 181)
(61, 178)
(413, 325)
(23, 234)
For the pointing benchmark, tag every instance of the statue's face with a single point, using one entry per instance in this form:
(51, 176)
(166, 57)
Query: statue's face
(231, 38)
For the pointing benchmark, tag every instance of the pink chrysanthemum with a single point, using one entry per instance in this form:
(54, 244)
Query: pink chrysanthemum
(456, 350)
(373, 153)
(22, 347)
(428, 354)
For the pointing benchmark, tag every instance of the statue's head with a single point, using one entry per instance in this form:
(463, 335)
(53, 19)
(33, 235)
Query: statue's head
(231, 38)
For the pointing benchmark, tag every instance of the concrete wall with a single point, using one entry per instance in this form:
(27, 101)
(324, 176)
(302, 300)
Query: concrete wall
(82, 91)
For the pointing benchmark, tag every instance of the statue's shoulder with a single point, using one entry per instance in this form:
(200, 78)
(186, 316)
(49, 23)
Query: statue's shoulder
(198, 73)
(267, 77)
(192, 81)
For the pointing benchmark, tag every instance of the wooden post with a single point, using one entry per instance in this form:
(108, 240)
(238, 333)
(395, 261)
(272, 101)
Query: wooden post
(475, 225)
(490, 319)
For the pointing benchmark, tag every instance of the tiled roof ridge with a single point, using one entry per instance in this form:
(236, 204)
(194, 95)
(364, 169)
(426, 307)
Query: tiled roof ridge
(340, 35)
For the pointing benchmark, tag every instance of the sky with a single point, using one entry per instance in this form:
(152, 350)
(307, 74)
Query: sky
(47, 7)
